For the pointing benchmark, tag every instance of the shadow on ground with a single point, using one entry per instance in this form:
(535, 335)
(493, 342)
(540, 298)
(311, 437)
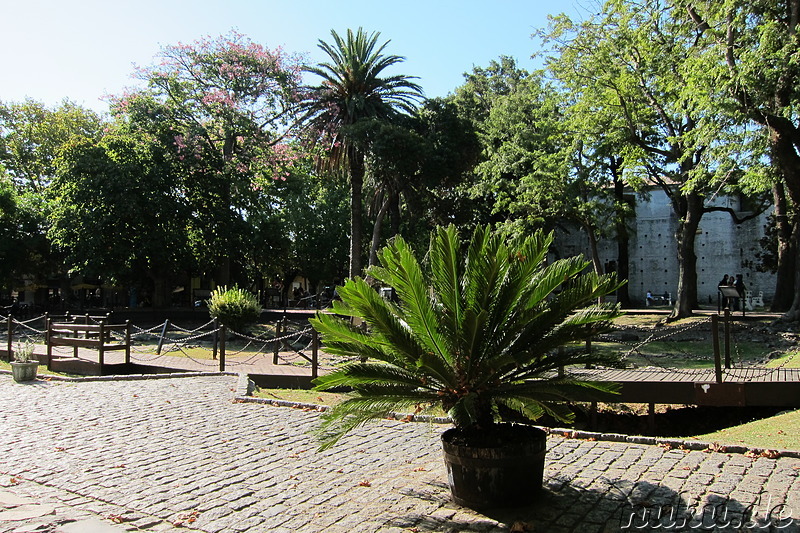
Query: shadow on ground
(609, 506)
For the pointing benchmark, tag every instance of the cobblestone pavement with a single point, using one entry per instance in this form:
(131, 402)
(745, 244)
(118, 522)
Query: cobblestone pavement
(177, 453)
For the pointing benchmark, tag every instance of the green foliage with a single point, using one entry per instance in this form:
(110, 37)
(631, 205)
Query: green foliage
(234, 307)
(477, 332)
(118, 211)
(24, 353)
(354, 88)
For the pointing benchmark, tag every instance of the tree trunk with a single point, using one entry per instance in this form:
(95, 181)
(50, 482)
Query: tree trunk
(690, 212)
(623, 237)
(356, 212)
(162, 290)
(394, 215)
(793, 314)
(376, 231)
(785, 279)
(596, 263)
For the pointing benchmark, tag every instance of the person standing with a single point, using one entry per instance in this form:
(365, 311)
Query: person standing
(724, 282)
(738, 284)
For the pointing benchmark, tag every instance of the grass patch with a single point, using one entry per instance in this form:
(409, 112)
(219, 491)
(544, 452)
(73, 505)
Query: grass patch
(780, 432)
(41, 372)
(301, 396)
(788, 360)
(320, 398)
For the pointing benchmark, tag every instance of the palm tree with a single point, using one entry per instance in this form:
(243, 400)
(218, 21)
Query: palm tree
(352, 90)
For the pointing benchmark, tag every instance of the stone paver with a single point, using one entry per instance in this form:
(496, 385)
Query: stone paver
(181, 453)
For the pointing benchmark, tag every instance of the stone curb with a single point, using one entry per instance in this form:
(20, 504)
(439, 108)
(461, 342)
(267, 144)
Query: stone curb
(679, 444)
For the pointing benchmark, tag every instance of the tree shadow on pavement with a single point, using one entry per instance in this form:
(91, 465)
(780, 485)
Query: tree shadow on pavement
(607, 505)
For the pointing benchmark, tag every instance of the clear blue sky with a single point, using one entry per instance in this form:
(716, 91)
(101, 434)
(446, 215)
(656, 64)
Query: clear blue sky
(82, 50)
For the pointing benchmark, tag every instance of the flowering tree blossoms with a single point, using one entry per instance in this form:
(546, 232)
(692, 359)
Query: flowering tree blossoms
(225, 106)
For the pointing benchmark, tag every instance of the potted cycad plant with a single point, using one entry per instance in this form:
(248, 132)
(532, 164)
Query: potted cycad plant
(24, 366)
(478, 331)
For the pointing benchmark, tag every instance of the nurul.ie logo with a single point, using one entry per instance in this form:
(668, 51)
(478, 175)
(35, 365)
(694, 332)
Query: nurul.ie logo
(762, 515)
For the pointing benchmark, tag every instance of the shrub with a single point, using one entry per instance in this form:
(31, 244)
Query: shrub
(24, 353)
(234, 307)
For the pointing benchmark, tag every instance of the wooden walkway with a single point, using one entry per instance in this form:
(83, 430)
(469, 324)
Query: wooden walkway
(776, 387)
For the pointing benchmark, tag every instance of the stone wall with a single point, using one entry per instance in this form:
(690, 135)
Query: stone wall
(722, 247)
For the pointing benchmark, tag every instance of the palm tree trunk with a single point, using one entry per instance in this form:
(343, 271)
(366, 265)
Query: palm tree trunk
(356, 212)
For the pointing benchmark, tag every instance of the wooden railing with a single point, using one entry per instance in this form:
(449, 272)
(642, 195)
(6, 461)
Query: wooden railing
(93, 336)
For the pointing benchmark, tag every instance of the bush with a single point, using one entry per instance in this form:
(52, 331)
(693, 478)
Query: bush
(235, 307)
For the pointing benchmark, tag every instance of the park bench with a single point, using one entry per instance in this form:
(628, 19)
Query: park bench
(92, 336)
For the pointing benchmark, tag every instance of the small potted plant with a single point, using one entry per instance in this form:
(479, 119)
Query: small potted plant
(479, 332)
(24, 366)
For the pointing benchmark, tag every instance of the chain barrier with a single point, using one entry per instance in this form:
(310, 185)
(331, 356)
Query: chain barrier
(195, 330)
(635, 347)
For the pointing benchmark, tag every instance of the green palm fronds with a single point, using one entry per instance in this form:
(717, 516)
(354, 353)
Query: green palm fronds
(476, 327)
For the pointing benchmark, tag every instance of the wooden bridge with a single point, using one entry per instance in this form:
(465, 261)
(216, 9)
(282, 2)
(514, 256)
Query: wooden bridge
(774, 387)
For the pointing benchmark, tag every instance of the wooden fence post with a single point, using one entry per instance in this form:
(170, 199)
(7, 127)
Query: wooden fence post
(48, 322)
(101, 345)
(715, 337)
(278, 332)
(161, 338)
(215, 338)
(127, 342)
(314, 354)
(727, 330)
(222, 348)
(10, 337)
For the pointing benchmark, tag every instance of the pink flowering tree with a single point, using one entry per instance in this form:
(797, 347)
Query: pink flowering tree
(225, 106)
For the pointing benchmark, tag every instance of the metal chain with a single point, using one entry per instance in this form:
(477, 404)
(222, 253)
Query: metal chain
(192, 330)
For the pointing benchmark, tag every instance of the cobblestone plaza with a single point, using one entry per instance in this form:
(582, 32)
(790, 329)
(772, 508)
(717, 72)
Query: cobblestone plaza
(182, 453)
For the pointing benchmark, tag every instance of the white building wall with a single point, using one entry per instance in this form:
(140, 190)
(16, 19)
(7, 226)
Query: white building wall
(722, 247)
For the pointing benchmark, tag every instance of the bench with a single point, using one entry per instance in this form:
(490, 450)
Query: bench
(660, 299)
(751, 302)
(93, 336)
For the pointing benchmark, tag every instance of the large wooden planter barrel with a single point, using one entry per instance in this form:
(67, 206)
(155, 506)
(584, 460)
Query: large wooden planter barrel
(485, 475)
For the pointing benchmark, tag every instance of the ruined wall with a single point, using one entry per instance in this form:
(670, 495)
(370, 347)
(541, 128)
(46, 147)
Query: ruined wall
(722, 247)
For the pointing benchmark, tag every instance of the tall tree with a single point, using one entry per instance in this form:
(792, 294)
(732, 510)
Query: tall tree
(119, 212)
(227, 103)
(747, 64)
(31, 135)
(628, 65)
(354, 87)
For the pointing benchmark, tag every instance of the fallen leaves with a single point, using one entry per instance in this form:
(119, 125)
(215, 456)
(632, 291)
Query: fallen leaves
(188, 517)
(365, 483)
(116, 518)
(769, 454)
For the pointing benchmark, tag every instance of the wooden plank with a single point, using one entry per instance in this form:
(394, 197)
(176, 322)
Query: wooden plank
(84, 343)
(74, 328)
